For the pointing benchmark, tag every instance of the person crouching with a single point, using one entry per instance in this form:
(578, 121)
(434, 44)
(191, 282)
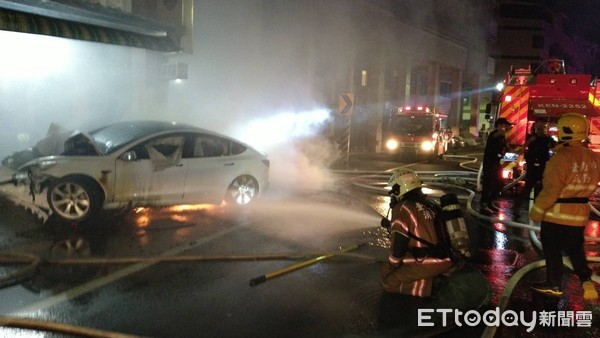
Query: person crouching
(414, 258)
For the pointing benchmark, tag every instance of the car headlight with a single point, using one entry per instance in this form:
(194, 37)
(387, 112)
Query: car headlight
(427, 145)
(391, 144)
(20, 177)
(45, 165)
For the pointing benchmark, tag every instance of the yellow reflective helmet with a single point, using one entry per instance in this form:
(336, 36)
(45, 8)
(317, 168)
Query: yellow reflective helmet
(406, 180)
(572, 127)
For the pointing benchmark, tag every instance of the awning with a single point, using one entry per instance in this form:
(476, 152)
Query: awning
(17, 21)
(547, 107)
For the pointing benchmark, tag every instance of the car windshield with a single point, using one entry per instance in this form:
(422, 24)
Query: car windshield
(415, 125)
(111, 138)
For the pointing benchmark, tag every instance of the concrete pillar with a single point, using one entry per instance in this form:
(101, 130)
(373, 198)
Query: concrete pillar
(475, 104)
(454, 117)
(404, 76)
(376, 119)
(433, 82)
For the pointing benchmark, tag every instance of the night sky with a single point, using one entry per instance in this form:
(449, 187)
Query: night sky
(584, 17)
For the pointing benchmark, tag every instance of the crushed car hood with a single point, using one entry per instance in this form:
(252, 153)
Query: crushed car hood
(58, 141)
(81, 144)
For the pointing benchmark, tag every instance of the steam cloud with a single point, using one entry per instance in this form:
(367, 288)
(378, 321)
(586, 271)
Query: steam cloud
(249, 76)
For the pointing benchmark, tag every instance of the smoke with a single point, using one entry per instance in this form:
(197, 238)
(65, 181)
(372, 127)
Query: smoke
(298, 221)
(254, 73)
(76, 85)
(300, 155)
(250, 76)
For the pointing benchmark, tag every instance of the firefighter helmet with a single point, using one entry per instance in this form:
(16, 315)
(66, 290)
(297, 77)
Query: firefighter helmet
(406, 180)
(572, 127)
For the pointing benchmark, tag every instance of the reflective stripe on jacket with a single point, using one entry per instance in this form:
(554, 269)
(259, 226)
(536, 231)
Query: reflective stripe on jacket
(573, 171)
(415, 217)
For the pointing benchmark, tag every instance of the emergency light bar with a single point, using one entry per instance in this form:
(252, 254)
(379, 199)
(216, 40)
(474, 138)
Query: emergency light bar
(411, 108)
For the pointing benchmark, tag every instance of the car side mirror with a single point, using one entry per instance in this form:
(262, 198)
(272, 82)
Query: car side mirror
(129, 156)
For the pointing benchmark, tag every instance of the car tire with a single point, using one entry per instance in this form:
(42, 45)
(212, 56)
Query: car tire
(242, 191)
(74, 198)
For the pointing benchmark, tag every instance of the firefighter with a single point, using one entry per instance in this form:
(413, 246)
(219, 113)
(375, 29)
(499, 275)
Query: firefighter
(570, 178)
(414, 262)
(495, 148)
(555, 66)
(537, 153)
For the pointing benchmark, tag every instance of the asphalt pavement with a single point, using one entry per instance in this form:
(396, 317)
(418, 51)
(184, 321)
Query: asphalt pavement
(508, 256)
(493, 282)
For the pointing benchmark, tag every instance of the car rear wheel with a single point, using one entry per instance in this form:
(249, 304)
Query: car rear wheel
(242, 191)
(73, 198)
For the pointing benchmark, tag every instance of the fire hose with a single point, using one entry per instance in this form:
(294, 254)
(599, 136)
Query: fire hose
(34, 262)
(264, 278)
(34, 324)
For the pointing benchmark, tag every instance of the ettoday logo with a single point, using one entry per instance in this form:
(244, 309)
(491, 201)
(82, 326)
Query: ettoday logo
(495, 317)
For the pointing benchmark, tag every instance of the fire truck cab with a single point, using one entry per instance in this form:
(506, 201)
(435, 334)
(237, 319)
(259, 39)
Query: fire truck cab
(529, 96)
(417, 130)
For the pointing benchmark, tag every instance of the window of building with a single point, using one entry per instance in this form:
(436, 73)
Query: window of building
(537, 41)
(445, 89)
(391, 78)
(419, 85)
(466, 94)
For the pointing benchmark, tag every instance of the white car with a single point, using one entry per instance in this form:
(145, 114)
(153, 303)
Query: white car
(146, 163)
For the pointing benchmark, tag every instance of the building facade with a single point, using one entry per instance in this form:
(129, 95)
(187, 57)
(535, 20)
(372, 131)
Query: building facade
(210, 61)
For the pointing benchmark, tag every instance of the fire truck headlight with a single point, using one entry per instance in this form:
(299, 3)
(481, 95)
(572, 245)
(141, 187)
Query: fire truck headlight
(427, 146)
(391, 144)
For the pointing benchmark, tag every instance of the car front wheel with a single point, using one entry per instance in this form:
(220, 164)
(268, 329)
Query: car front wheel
(242, 191)
(73, 198)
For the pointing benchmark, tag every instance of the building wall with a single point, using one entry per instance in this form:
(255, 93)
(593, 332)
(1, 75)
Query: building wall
(321, 49)
(525, 42)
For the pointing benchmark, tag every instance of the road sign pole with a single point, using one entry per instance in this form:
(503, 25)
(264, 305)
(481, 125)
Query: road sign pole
(345, 108)
(349, 126)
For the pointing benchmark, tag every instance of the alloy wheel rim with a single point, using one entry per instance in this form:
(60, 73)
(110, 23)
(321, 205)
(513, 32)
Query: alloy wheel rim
(70, 200)
(243, 190)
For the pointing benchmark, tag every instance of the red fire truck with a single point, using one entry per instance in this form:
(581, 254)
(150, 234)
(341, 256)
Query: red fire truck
(417, 130)
(529, 95)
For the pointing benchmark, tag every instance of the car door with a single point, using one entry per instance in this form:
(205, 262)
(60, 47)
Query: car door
(210, 168)
(152, 172)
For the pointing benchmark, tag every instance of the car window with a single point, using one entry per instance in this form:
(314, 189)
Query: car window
(165, 147)
(208, 146)
(237, 148)
(168, 145)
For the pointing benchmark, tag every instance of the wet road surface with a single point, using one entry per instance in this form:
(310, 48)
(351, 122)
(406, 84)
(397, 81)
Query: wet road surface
(339, 296)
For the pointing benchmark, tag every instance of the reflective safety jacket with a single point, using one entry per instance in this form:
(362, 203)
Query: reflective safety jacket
(406, 272)
(571, 176)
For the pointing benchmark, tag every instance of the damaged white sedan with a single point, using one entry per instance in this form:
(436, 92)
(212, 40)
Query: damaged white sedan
(144, 163)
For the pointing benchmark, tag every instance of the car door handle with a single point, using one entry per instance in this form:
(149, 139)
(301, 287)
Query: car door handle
(179, 165)
(228, 164)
